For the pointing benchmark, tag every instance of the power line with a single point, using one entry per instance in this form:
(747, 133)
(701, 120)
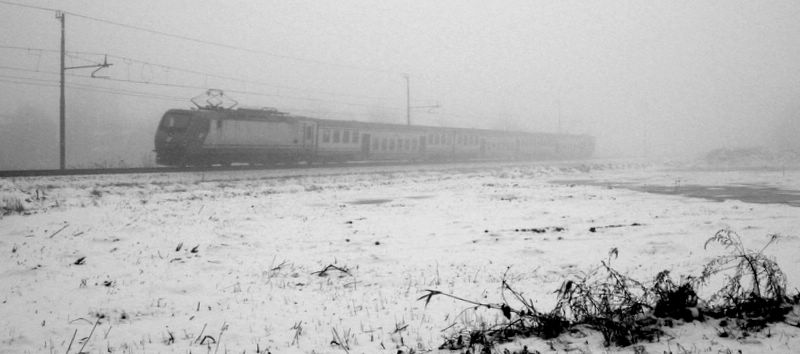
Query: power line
(120, 92)
(75, 55)
(246, 92)
(206, 42)
(26, 6)
(175, 98)
(198, 87)
(242, 80)
(30, 49)
(228, 46)
(163, 84)
(24, 78)
(23, 82)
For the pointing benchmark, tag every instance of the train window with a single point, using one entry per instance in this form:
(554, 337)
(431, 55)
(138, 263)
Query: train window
(413, 144)
(383, 144)
(430, 139)
(355, 136)
(309, 133)
(172, 121)
(346, 137)
(406, 144)
(326, 135)
(375, 144)
(336, 135)
(219, 124)
(391, 144)
(436, 139)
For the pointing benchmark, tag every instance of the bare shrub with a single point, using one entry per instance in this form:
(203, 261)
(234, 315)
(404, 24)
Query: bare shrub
(12, 205)
(754, 286)
(673, 300)
(626, 311)
(610, 302)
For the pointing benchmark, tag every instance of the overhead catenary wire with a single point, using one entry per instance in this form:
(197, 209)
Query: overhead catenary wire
(103, 89)
(141, 94)
(176, 98)
(54, 84)
(232, 78)
(85, 87)
(207, 42)
(74, 54)
(207, 75)
(77, 55)
(201, 87)
(246, 92)
(222, 45)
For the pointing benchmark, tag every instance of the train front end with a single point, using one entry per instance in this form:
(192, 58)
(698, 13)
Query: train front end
(180, 133)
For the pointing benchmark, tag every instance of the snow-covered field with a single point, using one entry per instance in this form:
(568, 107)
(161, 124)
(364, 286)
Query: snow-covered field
(234, 263)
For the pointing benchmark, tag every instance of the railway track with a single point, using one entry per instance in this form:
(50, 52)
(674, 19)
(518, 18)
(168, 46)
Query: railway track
(137, 170)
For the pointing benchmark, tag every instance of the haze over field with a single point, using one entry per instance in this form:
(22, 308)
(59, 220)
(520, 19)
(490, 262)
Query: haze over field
(665, 78)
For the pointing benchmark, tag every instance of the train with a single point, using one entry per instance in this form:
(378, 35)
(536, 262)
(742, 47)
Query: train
(207, 136)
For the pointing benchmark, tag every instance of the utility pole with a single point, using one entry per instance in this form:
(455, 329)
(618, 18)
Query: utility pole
(559, 116)
(408, 98)
(62, 105)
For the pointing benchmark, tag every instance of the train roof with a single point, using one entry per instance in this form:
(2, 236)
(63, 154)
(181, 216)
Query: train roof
(274, 115)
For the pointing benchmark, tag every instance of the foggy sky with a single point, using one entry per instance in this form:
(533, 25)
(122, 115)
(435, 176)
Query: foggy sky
(662, 78)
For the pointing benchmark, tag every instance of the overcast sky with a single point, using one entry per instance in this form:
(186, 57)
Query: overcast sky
(654, 77)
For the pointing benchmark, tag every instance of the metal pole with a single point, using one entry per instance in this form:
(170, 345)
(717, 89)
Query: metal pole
(559, 116)
(62, 104)
(408, 99)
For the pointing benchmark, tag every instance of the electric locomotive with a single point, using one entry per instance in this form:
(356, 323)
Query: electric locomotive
(214, 135)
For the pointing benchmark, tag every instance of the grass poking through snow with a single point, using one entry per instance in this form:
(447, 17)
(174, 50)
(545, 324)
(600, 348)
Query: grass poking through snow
(627, 311)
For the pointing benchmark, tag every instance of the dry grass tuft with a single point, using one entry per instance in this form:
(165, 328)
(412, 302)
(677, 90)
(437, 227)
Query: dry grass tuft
(12, 205)
(626, 311)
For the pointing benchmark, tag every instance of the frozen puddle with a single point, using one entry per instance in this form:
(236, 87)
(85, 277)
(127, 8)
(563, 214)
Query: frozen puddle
(384, 200)
(748, 193)
(370, 201)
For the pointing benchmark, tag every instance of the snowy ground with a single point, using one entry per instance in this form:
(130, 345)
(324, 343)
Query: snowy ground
(166, 260)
